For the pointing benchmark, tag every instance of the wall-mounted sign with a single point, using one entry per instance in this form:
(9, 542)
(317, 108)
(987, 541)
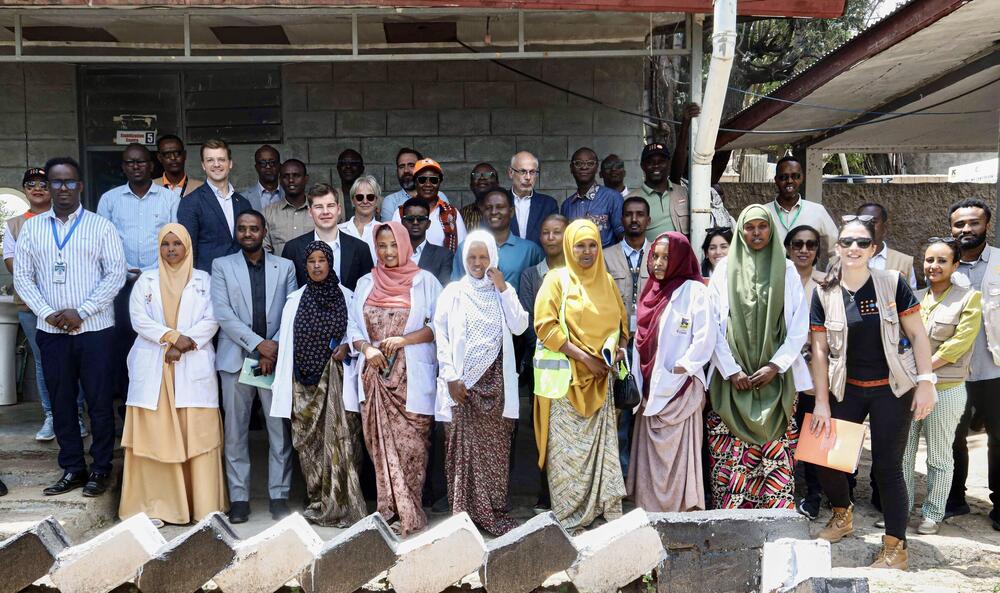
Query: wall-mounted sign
(135, 136)
(135, 128)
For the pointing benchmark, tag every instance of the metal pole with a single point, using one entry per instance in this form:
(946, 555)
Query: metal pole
(18, 35)
(187, 35)
(693, 41)
(354, 34)
(520, 31)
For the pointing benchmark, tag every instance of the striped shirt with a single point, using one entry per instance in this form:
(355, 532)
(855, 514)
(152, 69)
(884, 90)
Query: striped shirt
(94, 269)
(139, 220)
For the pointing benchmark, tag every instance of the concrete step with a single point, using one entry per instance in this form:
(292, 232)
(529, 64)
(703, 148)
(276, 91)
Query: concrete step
(78, 515)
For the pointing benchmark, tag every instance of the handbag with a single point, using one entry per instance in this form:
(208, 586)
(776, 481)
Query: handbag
(624, 388)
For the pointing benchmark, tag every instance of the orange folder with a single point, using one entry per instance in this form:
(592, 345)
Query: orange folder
(841, 450)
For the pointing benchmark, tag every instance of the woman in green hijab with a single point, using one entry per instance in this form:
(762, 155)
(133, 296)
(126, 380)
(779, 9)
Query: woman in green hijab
(758, 369)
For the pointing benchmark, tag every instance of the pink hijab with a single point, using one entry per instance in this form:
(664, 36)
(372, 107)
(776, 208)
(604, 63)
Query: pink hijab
(391, 286)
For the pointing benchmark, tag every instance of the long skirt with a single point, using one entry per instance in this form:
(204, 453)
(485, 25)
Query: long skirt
(478, 454)
(585, 475)
(750, 476)
(173, 460)
(397, 440)
(327, 439)
(665, 471)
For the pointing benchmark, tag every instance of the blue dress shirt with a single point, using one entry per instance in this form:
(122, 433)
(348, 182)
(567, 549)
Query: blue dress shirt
(138, 221)
(602, 206)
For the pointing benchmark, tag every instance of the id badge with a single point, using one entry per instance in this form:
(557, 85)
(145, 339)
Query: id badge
(59, 273)
(632, 324)
(684, 326)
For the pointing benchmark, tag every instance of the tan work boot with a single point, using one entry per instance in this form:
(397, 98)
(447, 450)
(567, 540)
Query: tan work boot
(892, 555)
(841, 525)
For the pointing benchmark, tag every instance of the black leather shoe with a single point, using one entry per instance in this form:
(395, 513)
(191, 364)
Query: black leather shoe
(97, 485)
(3, 488)
(957, 510)
(279, 508)
(239, 512)
(67, 483)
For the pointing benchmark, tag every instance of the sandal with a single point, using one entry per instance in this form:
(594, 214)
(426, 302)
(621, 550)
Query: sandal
(157, 523)
(396, 527)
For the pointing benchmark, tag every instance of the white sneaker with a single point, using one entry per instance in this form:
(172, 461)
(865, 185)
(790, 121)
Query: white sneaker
(46, 432)
(927, 527)
(880, 524)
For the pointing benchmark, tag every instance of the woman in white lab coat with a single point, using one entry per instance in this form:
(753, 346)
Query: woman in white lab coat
(675, 338)
(173, 431)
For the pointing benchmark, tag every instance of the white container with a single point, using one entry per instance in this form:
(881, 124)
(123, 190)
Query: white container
(8, 349)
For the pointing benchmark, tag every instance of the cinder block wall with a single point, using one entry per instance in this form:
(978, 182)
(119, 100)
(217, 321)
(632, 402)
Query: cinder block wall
(461, 113)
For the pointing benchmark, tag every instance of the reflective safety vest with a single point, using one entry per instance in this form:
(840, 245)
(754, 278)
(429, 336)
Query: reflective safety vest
(553, 374)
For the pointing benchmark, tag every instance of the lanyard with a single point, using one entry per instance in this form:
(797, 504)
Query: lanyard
(788, 225)
(55, 235)
(635, 276)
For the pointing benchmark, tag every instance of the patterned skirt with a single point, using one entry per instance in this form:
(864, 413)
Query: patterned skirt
(749, 476)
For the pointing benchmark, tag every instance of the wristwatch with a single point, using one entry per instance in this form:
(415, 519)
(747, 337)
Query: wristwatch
(930, 377)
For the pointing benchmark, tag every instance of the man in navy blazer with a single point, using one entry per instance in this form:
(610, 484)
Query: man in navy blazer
(209, 213)
(530, 207)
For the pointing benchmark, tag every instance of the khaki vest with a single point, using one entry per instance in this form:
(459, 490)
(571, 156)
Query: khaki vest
(991, 303)
(941, 326)
(14, 226)
(902, 365)
(902, 263)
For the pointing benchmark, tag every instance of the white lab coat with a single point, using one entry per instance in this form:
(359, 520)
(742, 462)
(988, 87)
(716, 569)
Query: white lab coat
(796, 313)
(195, 382)
(421, 359)
(686, 337)
(449, 332)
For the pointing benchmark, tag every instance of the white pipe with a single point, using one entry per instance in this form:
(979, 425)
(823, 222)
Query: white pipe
(723, 50)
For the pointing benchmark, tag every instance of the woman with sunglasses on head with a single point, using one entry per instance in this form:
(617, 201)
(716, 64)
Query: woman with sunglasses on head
(802, 247)
(366, 197)
(871, 352)
(952, 312)
(715, 247)
(758, 368)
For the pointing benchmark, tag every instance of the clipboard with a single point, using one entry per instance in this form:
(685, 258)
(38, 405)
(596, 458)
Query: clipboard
(840, 451)
(248, 378)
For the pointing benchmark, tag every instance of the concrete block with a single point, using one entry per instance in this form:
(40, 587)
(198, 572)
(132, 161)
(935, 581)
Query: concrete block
(532, 67)
(329, 96)
(359, 72)
(490, 148)
(627, 147)
(361, 123)
(521, 560)
(531, 93)
(616, 94)
(50, 74)
(12, 153)
(296, 148)
(443, 555)
(85, 568)
(353, 558)
(12, 96)
(326, 150)
(464, 122)
(616, 553)
(11, 177)
(60, 98)
(456, 179)
(544, 147)
(443, 95)
(51, 125)
(787, 562)
(490, 94)
(470, 71)
(556, 174)
(306, 72)
(443, 149)
(191, 559)
(562, 72)
(388, 95)
(27, 556)
(412, 122)
(424, 72)
(271, 558)
(727, 571)
(832, 585)
(728, 529)
(620, 70)
(383, 150)
(567, 121)
(294, 97)
(309, 124)
(609, 122)
(516, 121)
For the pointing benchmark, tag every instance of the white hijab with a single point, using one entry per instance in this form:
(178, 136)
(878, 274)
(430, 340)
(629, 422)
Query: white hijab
(481, 301)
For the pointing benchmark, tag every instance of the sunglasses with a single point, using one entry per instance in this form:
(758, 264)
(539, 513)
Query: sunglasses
(416, 218)
(36, 183)
(859, 217)
(481, 175)
(808, 244)
(70, 184)
(433, 180)
(267, 163)
(862, 242)
(788, 176)
(365, 197)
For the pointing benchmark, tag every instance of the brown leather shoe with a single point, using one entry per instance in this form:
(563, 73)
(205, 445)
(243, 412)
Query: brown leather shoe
(840, 525)
(893, 554)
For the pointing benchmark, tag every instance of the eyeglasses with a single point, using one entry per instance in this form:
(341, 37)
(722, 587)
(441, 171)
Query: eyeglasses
(862, 242)
(134, 163)
(617, 166)
(172, 154)
(480, 175)
(858, 217)
(418, 218)
(365, 197)
(808, 244)
(350, 163)
(579, 164)
(36, 184)
(788, 176)
(525, 172)
(267, 163)
(70, 184)
(433, 180)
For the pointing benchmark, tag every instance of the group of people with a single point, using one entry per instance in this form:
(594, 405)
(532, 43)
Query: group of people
(400, 336)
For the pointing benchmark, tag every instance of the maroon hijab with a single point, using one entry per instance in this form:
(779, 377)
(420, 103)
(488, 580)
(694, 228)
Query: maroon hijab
(682, 265)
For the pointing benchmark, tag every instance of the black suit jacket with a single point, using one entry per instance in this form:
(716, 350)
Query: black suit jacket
(541, 206)
(202, 216)
(438, 261)
(355, 258)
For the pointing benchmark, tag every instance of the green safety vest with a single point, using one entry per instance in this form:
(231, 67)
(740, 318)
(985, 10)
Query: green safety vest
(551, 369)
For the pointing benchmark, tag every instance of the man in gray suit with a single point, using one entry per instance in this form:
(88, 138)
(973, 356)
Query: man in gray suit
(248, 294)
(267, 190)
(432, 258)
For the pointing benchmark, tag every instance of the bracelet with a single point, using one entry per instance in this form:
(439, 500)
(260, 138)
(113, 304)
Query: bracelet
(929, 377)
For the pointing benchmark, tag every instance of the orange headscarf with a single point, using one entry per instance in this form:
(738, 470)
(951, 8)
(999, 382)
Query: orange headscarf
(391, 286)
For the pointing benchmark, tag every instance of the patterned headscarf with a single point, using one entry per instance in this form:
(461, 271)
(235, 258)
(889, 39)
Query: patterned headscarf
(320, 319)
(483, 315)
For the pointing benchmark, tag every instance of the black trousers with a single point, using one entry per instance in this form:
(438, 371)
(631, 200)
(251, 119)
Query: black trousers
(983, 402)
(72, 360)
(814, 491)
(889, 420)
(124, 337)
